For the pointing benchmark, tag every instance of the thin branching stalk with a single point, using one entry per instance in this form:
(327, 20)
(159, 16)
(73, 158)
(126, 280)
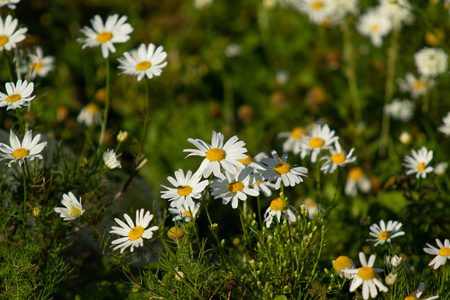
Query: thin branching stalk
(147, 110)
(25, 203)
(107, 103)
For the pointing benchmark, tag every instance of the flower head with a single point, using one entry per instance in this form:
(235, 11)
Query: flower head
(133, 235)
(185, 212)
(418, 163)
(338, 158)
(19, 152)
(398, 11)
(375, 25)
(9, 37)
(73, 208)
(320, 138)
(400, 109)
(39, 64)
(110, 159)
(186, 189)
(431, 62)
(89, 115)
(279, 209)
(11, 3)
(445, 128)
(343, 263)
(416, 86)
(419, 293)
(384, 233)
(318, 11)
(294, 140)
(357, 179)
(442, 254)
(17, 95)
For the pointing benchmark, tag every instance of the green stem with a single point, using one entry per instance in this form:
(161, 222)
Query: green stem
(258, 201)
(24, 192)
(318, 181)
(146, 115)
(8, 67)
(107, 103)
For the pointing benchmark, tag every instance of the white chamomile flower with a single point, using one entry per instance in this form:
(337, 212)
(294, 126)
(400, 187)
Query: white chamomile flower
(342, 8)
(234, 187)
(374, 25)
(320, 138)
(343, 263)
(367, 276)
(114, 31)
(294, 140)
(442, 254)
(17, 95)
(133, 235)
(90, 115)
(398, 11)
(218, 154)
(73, 208)
(357, 179)
(253, 162)
(279, 209)
(11, 3)
(338, 158)
(384, 233)
(419, 293)
(146, 61)
(262, 186)
(9, 37)
(402, 110)
(185, 212)
(416, 86)
(277, 169)
(311, 206)
(431, 62)
(110, 159)
(418, 162)
(186, 189)
(29, 149)
(440, 168)
(39, 65)
(445, 127)
(318, 11)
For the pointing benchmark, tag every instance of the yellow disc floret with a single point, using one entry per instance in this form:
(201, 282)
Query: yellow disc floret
(37, 66)
(215, 154)
(75, 211)
(143, 65)
(298, 133)
(421, 166)
(92, 108)
(246, 161)
(187, 213)
(13, 98)
(338, 158)
(20, 153)
(3, 40)
(282, 168)
(184, 190)
(235, 187)
(384, 235)
(136, 233)
(356, 174)
(317, 5)
(410, 298)
(104, 37)
(445, 251)
(175, 233)
(342, 262)
(366, 273)
(277, 204)
(316, 142)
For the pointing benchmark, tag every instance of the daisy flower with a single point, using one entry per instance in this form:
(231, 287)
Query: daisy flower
(186, 188)
(19, 152)
(321, 138)
(9, 37)
(400, 109)
(234, 187)
(357, 179)
(416, 86)
(384, 233)
(399, 12)
(418, 163)
(343, 263)
(143, 62)
(110, 159)
(133, 235)
(39, 64)
(17, 95)
(442, 254)
(338, 158)
(90, 115)
(318, 11)
(258, 183)
(279, 209)
(294, 140)
(440, 168)
(73, 208)
(419, 293)
(366, 275)
(431, 62)
(278, 169)
(342, 9)
(253, 162)
(445, 128)
(375, 25)
(185, 212)
(114, 31)
(311, 206)
(218, 154)
(11, 3)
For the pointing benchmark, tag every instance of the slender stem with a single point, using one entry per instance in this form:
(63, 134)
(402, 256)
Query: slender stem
(107, 102)
(258, 201)
(318, 181)
(146, 115)
(8, 67)
(25, 203)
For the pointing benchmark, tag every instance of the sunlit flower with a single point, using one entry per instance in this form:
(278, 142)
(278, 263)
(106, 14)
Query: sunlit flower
(122, 136)
(90, 115)
(234, 187)
(311, 206)
(338, 158)
(9, 37)
(11, 3)
(318, 11)
(419, 293)
(185, 212)
(442, 254)
(279, 209)
(233, 50)
(357, 179)
(384, 233)
(39, 64)
(254, 162)
(186, 189)
(418, 163)
(398, 11)
(391, 278)
(110, 159)
(29, 149)
(133, 235)
(445, 128)
(374, 25)
(342, 8)
(320, 138)
(114, 31)
(400, 109)
(73, 208)
(294, 142)
(17, 95)
(440, 168)
(201, 4)
(258, 183)
(146, 61)
(366, 275)
(396, 261)
(416, 86)
(431, 62)
(343, 263)
(218, 154)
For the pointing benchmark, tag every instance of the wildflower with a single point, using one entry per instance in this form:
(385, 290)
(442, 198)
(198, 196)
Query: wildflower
(342, 8)
(366, 275)
(321, 138)
(185, 211)
(19, 152)
(122, 136)
(186, 188)
(233, 50)
(344, 263)
(110, 159)
(17, 95)
(384, 233)
(279, 209)
(396, 261)
(431, 62)
(337, 158)
(442, 254)
(114, 31)
(391, 278)
(90, 115)
(9, 37)
(400, 109)
(133, 235)
(73, 208)
(318, 11)
(218, 154)
(146, 61)
(398, 11)
(294, 142)
(419, 293)
(253, 162)
(11, 3)
(258, 183)
(282, 77)
(357, 178)
(311, 206)
(445, 128)
(405, 138)
(441, 168)
(39, 65)
(416, 86)
(175, 233)
(234, 187)
(201, 4)
(278, 169)
(418, 163)
(375, 25)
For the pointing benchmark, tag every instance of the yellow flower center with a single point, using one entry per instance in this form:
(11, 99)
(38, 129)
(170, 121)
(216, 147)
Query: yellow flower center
(445, 251)
(37, 66)
(282, 168)
(187, 213)
(317, 5)
(310, 203)
(235, 187)
(175, 233)
(20, 153)
(384, 235)
(256, 183)
(410, 298)
(419, 85)
(316, 142)
(246, 161)
(136, 233)
(92, 108)
(421, 166)
(215, 154)
(3, 40)
(75, 211)
(366, 273)
(277, 204)
(374, 27)
(184, 190)
(342, 262)
(356, 174)
(13, 98)
(298, 133)
(338, 158)
(104, 37)
(143, 65)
